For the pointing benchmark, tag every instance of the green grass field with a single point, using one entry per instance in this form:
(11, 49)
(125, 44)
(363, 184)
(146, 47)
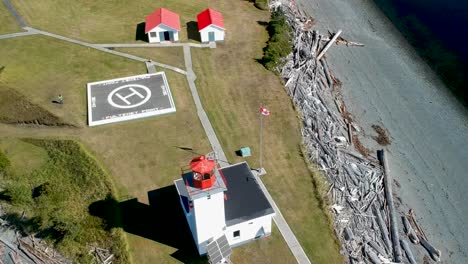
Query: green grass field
(145, 155)
(106, 21)
(7, 22)
(40, 68)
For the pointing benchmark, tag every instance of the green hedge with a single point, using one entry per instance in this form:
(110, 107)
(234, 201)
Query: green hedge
(279, 45)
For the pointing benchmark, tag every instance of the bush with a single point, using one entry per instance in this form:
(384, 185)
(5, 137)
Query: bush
(261, 4)
(4, 163)
(57, 197)
(279, 45)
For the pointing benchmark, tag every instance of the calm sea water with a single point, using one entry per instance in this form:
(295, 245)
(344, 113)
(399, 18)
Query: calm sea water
(438, 29)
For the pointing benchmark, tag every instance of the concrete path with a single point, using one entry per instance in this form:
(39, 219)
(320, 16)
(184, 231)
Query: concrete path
(14, 35)
(210, 133)
(211, 45)
(89, 45)
(13, 12)
(150, 67)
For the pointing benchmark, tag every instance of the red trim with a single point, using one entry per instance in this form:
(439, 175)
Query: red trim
(162, 16)
(210, 17)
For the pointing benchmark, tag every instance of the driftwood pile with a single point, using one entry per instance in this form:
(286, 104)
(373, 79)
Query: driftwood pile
(360, 187)
(101, 255)
(39, 251)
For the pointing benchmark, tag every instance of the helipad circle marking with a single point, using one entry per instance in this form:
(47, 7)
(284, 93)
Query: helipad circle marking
(131, 92)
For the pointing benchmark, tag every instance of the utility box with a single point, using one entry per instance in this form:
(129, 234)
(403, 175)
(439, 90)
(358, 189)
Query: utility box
(245, 152)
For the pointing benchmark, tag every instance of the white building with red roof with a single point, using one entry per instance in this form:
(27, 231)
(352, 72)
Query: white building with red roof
(210, 25)
(162, 25)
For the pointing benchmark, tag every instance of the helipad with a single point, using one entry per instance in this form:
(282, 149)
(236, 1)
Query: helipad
(129, 98)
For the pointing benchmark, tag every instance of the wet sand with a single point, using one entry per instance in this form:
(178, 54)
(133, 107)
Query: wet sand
(385, 83)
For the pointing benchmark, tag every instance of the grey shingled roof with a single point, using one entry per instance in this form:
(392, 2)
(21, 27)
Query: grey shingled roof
(245, 199)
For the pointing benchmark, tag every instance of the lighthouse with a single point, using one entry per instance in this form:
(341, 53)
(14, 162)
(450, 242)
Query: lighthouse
(222, 205)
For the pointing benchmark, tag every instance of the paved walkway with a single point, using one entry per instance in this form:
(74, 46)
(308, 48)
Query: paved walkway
(210, 133)
(14, 35)
(13, 12)
(211, 45)
(150, 67)
(94, 46)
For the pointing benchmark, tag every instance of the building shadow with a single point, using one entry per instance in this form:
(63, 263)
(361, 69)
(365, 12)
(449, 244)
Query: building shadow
(192, 31)
(140, 32)
(162, 221)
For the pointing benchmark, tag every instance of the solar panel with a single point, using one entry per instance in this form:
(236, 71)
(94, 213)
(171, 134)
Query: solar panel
(218, 250)
(224, 246)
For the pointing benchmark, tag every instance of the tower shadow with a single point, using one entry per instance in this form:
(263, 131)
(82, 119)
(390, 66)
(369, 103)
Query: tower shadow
(162, 221)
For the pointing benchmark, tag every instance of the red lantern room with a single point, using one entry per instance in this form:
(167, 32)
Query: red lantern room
(203, 172)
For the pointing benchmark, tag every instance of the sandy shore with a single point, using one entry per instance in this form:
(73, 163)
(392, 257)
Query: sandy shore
(385, 83)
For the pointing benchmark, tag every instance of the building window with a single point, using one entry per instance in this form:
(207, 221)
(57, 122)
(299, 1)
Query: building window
(153, 34)
(237, 233)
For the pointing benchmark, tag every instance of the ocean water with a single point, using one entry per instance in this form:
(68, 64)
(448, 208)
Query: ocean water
(438, 30)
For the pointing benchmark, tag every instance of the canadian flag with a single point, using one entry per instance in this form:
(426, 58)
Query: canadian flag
(264, 111)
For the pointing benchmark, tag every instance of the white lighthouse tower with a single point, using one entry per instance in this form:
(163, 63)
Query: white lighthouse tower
(225, 207)
(203, 201)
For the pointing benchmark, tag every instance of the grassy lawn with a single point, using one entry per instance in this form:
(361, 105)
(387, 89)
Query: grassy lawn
(90, 20)
(8, 23)
(54, 182)
(40, 68)
(173, 56)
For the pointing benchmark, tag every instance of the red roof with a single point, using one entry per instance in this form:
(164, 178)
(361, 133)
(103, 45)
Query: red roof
(202, 165)
(210, 17)
(162, 16)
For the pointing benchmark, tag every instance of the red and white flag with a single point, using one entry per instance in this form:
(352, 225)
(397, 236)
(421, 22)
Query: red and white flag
(264, 111)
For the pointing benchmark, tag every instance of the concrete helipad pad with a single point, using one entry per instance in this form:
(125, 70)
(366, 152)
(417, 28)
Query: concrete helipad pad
(129, 98)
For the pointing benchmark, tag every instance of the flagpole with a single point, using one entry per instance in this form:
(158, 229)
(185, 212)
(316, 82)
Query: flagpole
(261, 143)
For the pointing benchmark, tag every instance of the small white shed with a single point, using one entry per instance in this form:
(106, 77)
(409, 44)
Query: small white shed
(162, 25)
(211, 26)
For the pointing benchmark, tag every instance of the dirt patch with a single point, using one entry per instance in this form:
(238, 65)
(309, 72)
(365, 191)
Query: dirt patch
(359, 147)
(382, 137)
(16, 109)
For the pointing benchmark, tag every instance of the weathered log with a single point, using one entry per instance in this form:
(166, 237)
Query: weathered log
(330, 43)
(383, 229)
(407, 249)
(327, 72)
(350, 132)
(372, 256)
(409, 230)
(433, 252)
(348, 234)
(377, 248)
(391, 206)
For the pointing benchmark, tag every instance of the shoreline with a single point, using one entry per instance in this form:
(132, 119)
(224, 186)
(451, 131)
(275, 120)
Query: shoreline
(426, 123)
